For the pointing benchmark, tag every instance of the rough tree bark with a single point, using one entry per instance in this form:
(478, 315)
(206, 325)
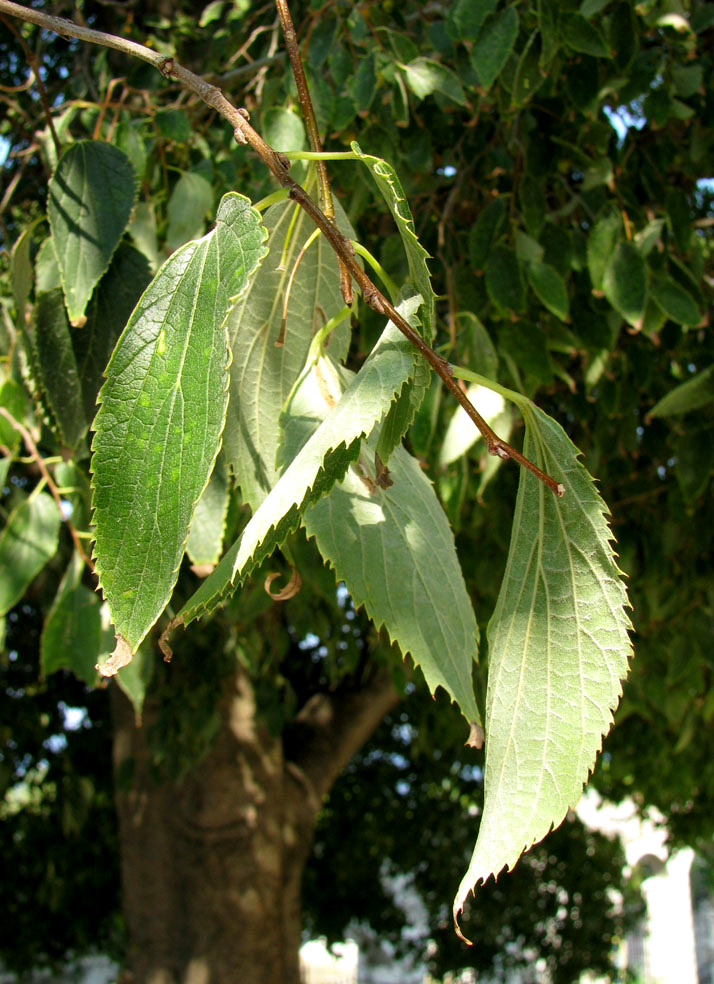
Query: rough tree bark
(212, 864)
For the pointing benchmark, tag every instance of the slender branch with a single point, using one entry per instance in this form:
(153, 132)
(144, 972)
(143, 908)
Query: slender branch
(279, 166)
(37, 458)
(313, 133)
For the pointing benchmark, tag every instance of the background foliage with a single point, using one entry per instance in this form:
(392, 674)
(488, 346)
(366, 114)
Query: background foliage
(553, 156)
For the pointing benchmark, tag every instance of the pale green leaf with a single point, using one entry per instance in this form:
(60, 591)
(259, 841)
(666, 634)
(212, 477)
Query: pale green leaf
(320, 462)
(12, 399)
(461, 434)
(27, 542)
(21, 272)
(395, 552)
(403, 411)
(696, 392)
(90, 198)
(283, 129)
(161, 417)
(47, 275)
(189, 204)
(426, 76)
(625, 283)
(558, 651)
(495, 43)
(262, 374)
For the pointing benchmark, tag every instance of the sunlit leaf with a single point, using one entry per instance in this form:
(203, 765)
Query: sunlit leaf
(161, 417)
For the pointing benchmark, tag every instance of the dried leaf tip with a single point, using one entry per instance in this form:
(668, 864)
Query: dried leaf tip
(121, 656)
(475, 738)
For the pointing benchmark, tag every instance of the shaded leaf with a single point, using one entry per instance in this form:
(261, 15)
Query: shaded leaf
(625, 283)
(205, 540)
(90, 197)
(12, 399)
(558, 651)
(602, 240)
(27, 543)
(504, 282)
(466, 17)
(582, 36)
(695, 461)
(161, 416)
(495, 43)
(549, 287)
(677, 303)
(696, 392)
(73, 637)
(56, 368)
(283, 129)
(485, 231)
(189, 204)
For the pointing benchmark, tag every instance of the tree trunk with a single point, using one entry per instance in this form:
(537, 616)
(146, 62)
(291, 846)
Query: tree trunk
(212, 864)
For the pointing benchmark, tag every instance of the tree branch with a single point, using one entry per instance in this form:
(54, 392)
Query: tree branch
(279, 166)
(331, 728)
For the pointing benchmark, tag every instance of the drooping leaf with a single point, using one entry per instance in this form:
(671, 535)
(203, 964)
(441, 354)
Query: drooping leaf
(549, 287)
(394, 550)
(21, 272)
(466, 17)
(425, 76)
(27, 542)
(696, 392)
(695, 461)
(73, 637)
(676, 302)
(161, 417)
(56, 366)
(189, 204)
(625, 283)
(494, 44)
(320, 462)
(263, 374)
(558, 651)
(90, 198)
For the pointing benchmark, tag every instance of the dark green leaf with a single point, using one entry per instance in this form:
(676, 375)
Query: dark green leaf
(90, 198)
(485, 231)
(550, 288)
(504, 282)
(57, 368)
(12, 399)
(696, 392)
(582, 36)
(602, 241)
(495, 43)
(529, 75)
(675, 301)
(73, 637)
(695, 460)
(466, 17)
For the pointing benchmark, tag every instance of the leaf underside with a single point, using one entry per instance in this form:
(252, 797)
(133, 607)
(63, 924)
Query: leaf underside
(559, 649)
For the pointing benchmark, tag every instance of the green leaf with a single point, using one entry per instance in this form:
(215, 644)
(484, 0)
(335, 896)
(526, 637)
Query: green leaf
(582, 36)
(485, 231)
(395, 552)
(283, 129)
(205, 540)
(558, 650)
(91, 195)
(47, 274)
(625, 283)
(602, 240)
(322, 460)
(504, 282)
(402, 413)
(108, 312)
(56, 368)
(549, 287)
(21, 272)
(189, 204)
(73, 637)
(677, 303)
(263, 374)
(696, 392)
(12, 399)
(161, 416)
(27, 543)
(529, 74)
(461, 434)
(134, 679)
(495, 43)
(466, 17)
(425, 76)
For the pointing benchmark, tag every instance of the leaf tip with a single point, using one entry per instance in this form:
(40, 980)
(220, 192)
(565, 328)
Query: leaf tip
(476, 735)
(121, 656)
(458, 909)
